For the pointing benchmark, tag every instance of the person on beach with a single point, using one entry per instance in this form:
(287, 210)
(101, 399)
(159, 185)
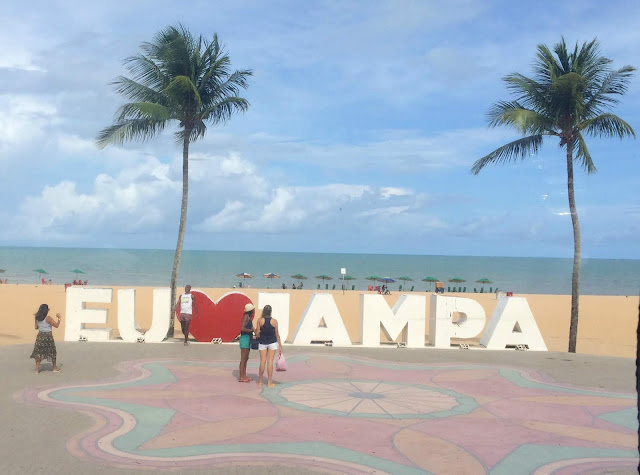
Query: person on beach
(188, 308)
(269, 341)
(45, 347)
(246, 330)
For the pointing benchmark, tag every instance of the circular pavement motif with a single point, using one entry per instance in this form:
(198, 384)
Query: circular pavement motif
(367, 398)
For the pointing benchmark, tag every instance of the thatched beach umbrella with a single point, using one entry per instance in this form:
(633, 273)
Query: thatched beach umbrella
(347, 277)
(324, 277)
(484, 281)
(456, 280)
(431, 280)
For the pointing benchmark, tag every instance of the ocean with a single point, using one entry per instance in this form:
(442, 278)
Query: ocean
(524, 275)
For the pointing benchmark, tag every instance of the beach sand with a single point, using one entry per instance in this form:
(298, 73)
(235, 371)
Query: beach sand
(607, 323)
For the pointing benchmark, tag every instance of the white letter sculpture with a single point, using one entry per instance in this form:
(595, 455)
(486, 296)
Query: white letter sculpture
(321, 306)
(441, 327)
(406, 317)
(77, 315)
(512, 314)
(127, 326)
(280, 310)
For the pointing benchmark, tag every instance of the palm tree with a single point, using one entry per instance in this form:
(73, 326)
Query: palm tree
(176, 78)
(569, 96)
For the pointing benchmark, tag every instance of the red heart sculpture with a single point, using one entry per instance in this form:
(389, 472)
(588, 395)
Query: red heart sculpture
(219, 319)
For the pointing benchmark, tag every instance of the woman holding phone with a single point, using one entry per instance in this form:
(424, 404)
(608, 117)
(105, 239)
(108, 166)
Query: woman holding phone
(45, 347)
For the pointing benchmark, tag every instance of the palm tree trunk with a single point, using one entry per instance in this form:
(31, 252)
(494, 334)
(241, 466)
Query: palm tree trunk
(181, 229)
(575, 277)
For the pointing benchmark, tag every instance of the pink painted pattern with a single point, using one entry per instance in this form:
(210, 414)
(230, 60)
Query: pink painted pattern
(347, 415)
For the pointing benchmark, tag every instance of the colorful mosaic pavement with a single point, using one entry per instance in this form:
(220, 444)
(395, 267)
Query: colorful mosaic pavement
(348, 415)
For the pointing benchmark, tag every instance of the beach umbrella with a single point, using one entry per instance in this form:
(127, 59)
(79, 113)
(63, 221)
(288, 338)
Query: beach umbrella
(386, 280)
(483, 281)
(349, 277)
(244, 275)
(372, 278)
(77, 271)
(431, 280)
(299, 277)
(324, 277)
(405, 278)
(1, 271)
(272, 275)
(40, 271)
(457, 280)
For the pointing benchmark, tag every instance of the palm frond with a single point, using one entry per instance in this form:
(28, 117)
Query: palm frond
(146, 71)
(603, 95)
(143, 110)
(222, 110)
(120, 132)
(607, 125)
(583, 156)
(514, 115)
(182, 89)
(136, 91)
(518, 149)
(177, 76)
(529, 92)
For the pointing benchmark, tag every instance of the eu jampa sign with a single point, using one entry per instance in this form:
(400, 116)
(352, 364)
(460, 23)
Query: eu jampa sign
(511, 323)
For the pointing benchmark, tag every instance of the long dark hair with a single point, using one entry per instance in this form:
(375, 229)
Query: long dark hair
(42, 312)
(266, 311)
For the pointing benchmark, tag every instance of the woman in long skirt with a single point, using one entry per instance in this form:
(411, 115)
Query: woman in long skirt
(45, 347)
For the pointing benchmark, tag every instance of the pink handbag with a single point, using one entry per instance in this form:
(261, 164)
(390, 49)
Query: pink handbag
(281, 363)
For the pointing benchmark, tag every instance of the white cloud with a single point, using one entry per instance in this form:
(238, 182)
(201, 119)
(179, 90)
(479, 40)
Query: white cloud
(24, 118)
(387, 192)
(384, 212)
(136, 200)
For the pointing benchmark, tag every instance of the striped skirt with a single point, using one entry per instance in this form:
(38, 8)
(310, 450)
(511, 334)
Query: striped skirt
(45, 347)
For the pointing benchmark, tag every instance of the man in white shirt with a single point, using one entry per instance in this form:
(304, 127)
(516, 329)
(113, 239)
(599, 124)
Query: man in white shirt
(188, 308)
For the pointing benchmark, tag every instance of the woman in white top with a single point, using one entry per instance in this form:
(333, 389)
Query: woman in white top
(45, 347)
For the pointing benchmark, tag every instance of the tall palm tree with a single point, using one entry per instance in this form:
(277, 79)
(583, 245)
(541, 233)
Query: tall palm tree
(176, 78)
(569, 96)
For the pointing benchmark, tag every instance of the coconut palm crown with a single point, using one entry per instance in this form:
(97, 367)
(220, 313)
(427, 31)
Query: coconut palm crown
(569, 97)
(177, 77)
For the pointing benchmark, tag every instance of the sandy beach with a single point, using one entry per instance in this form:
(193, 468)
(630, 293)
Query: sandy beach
(607, 323)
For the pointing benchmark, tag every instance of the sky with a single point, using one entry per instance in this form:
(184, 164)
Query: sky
(365, 119)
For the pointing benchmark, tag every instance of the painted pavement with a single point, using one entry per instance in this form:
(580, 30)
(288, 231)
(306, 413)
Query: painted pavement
(349, 415)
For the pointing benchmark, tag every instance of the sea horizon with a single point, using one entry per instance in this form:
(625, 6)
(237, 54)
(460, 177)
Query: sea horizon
(218, 269)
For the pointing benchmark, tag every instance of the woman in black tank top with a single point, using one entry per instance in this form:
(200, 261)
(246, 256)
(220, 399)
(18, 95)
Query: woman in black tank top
(269, 338)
